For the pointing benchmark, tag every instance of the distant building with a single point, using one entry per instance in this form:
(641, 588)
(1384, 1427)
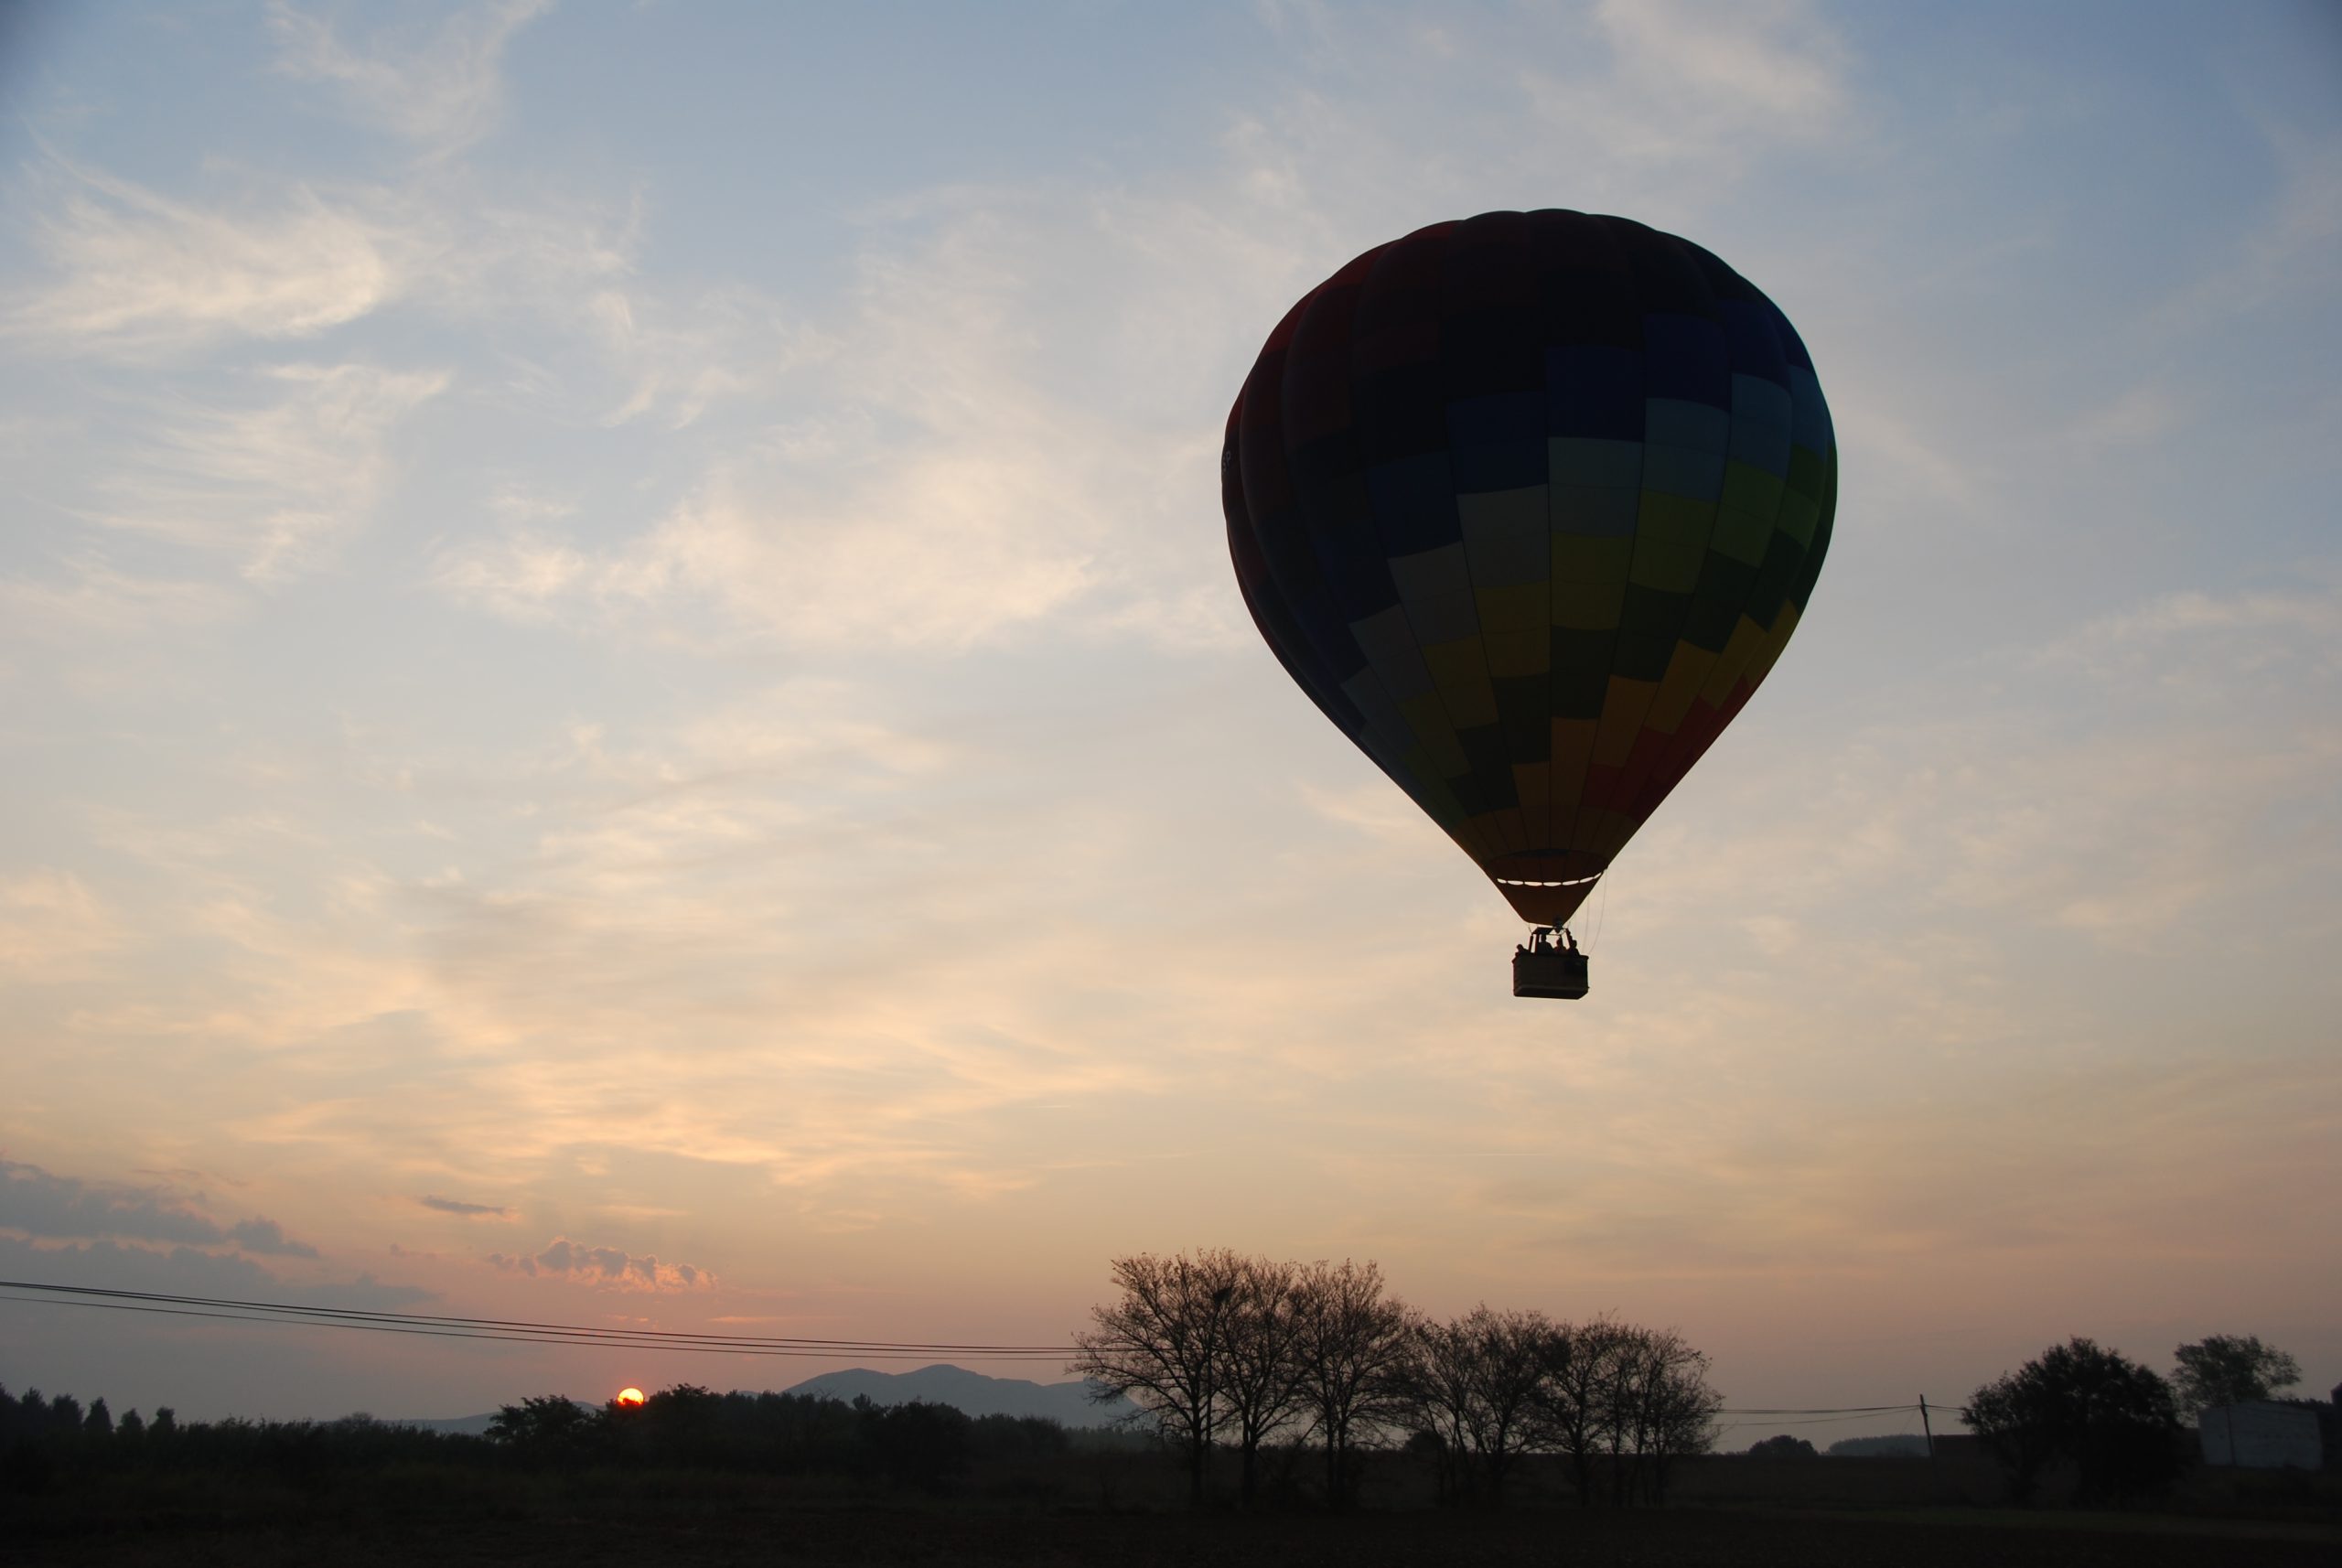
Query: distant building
(2263, 1435)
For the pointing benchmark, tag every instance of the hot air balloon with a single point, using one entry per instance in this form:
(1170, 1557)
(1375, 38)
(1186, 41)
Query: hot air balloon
(1529, 504)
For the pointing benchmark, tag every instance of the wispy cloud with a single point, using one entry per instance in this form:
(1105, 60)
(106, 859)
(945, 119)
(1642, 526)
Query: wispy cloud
(443, 92)
(2137, 416)
(468, 1210)
(613, 1267)
(273, 483)
(52, 927)
(2114, 781)
(2288, 253)
(678, 360)
(1696, 79)
(138, 273)
(88, 595)
(988, 444)
(2239, 634)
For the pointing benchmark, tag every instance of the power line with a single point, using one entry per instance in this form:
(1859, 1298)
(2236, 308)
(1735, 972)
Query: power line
(1829, 1410)
(526, 1331)
(511, 1330)
(1807, 1421)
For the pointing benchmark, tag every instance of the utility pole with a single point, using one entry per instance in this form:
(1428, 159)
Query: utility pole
(1928, 1427)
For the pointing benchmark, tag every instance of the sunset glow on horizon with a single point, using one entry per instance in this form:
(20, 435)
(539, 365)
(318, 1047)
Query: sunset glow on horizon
(625, 706)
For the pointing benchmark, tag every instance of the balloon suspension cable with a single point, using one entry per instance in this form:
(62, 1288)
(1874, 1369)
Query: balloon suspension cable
(1601, 903)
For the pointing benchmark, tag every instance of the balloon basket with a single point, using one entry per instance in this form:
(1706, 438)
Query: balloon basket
(1555, 972)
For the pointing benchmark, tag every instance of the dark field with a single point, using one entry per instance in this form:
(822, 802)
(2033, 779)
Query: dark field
(685, 1529)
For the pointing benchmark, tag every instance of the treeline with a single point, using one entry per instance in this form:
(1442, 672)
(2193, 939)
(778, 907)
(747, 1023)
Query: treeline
(46, 1441)
(1224, 1351)
(2117, 1427)
(921, 1446)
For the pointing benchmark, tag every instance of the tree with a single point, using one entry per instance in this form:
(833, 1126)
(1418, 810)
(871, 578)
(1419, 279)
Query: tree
(2113, 1419)
(1477, 1386)
(1512, 1350)
(1258, 1379)
(1659, 1407)
(99, 1423)
(1782, 1447)
(2227, 1368)
(922, 1444)
(1160, 1344)
(1574, 1397)
(546, 1427)
(1441, 1385)
(2002, 1413)
(1350, 1347)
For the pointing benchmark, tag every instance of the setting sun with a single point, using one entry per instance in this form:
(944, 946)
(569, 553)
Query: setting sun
(629, 1396)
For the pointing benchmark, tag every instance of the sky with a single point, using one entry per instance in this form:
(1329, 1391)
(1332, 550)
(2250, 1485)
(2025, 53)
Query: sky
(621, 700)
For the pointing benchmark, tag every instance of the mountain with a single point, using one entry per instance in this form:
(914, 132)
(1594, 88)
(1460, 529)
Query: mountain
(972, 1393)
(1894, 1446)
(461, 1425)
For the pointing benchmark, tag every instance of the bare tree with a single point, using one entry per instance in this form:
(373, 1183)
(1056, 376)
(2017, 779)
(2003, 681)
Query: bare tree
(1574, 1396)
(1663, 1407)
(1160, 1343)
(1622, 1401)
(1442, 1386)
(1477, 1385)
(1513, 1349)
(1353, 1351)
(1259, 1378)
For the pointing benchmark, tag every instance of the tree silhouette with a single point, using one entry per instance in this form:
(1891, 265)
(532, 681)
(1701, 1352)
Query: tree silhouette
(1351, 1348)
(2110, 1417)
(2226, 1369)
(1259, 1378)
(1160, 1344)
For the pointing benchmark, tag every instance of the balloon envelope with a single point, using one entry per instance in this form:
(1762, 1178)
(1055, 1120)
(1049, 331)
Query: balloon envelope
(1529, 504)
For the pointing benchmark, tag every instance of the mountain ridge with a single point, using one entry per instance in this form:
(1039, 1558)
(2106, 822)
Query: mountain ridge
(1069, 1403)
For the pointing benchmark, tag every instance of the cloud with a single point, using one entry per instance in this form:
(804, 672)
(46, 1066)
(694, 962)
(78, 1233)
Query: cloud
(983, 443)
(609, 1266)
(2122, 781)
(678, 359)
(442, 92)
(275, 482)
(873, 571)
(41, 1204)
(2130, 419)
(2286, 257)
(35, 1201)
(268, 1238)
(2226, 636)
(1694, 77)
(468, 1210)
(137, 276)
(88, 596)
(138, 273)
(185, 1271)
(996, 434)
(51, 925)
